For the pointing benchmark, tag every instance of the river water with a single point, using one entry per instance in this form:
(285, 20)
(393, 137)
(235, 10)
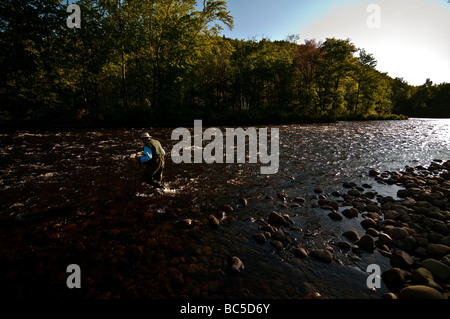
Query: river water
(66, 197)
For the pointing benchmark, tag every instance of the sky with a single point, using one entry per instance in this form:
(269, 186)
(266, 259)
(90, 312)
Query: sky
(410, 39)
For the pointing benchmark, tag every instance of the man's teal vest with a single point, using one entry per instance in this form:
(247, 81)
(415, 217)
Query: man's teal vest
(156, 148)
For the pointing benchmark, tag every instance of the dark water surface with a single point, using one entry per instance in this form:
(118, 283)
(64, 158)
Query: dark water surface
(65, 199)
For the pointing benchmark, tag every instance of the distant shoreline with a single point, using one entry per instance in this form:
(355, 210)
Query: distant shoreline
(249, 120)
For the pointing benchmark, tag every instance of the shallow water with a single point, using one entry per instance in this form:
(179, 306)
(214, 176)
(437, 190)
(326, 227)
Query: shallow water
(75, 185)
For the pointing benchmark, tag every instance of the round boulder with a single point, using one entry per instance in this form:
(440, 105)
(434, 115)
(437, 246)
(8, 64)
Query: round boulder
(367, 243)
(420, 292)
(397, 233)
(394, 279)
(438, 251)
(440, 271)
(300, 252)
(352, 235)
(322, 255)
(235, 265)
(259, 237)
(277, 220)
(401, 259)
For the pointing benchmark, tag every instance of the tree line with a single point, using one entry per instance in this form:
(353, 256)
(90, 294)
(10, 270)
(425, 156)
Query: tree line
(165, 61)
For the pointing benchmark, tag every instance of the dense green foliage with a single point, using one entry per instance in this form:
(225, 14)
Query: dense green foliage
(164, 60)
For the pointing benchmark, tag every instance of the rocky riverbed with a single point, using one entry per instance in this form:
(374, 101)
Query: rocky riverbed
(413, 232)
(226, 231)
(127, 251)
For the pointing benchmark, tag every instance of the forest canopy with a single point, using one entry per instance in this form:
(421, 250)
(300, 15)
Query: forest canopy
(150, 61)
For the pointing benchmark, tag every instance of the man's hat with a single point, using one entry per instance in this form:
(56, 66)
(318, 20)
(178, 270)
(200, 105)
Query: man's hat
(145, 135)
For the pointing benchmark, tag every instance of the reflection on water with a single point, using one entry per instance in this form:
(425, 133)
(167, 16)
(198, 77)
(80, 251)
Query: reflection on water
(90, 172)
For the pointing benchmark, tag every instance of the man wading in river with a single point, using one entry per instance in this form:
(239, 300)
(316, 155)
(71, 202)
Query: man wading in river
(153, 161)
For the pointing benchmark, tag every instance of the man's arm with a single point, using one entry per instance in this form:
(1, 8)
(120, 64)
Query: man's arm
(147, 155)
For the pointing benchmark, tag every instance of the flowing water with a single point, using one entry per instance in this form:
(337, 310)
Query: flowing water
(65, 198)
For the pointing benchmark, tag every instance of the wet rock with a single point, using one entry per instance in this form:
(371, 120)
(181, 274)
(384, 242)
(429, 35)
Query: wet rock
(350, 213)
(421, 252)
(447, 164)
(420, 292)
(446, 241)
(446, 260)
(374, 172)
(235, 265)
(186, 222)
(367, 243)
(352, 235)
(345, 245)
(276, 219)
(397, 233)
(372, 232)
(389, 296)
(391, 214)
(318, 190)
(408, 244)
(322, 255)
(227, 208)
(440, 271)
(328, 203)
(213, 221)
(277, 244)
(440, 203)
(354, 193)
(259, 237)
(368, 223)
(375, 216)
(372, 208)
(300, 200)
(422, 276)
(386, 253)
(299, 252)
(267, 228)
(401, 259)
(335, 216)
(403, 193)
(313, 295)
(437, 251)
(279, 235)
(394, 279)
(223, 216)
(349, 184)
(409, 202)
(370, 195)
(440, 228)
(288, 219)
(348, 199)
(243, 201)
(282, 196)
(336, 193)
